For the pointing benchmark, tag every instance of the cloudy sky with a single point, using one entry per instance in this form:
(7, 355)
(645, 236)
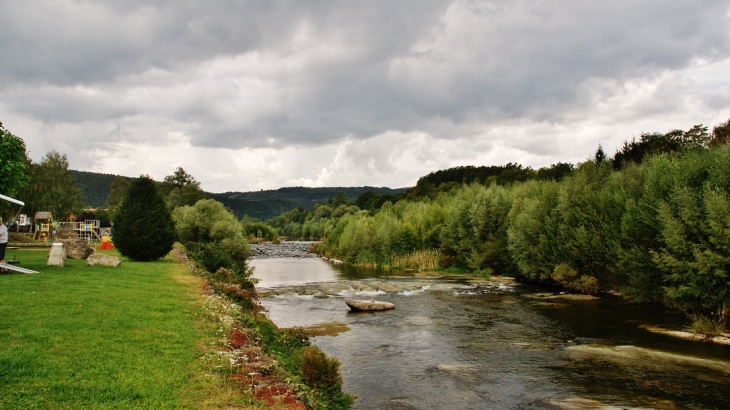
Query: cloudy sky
(249, 95)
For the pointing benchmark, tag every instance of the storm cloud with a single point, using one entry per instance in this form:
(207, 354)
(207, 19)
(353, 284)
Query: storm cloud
(261, 94)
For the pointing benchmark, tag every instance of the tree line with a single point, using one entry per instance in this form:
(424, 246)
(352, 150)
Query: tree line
(651, 223)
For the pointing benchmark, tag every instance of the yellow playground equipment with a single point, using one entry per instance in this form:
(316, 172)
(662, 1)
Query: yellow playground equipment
(45, 227)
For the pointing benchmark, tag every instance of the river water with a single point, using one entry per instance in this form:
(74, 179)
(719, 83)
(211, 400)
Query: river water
(453, 343)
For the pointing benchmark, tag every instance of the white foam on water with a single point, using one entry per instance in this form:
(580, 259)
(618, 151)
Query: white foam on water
(422, 289)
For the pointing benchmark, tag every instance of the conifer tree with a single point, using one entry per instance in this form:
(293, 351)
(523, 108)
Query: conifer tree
(143, 229)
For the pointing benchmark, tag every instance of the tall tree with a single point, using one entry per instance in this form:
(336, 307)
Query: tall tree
(142, 227)
(180, 189)
(721, 134)
(180, 178)
(13, 164)
(52, 188)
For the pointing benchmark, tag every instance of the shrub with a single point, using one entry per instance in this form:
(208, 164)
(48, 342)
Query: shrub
(318, 370)
(707, 326)
(568, 277)
(142, 228)
(214, 238)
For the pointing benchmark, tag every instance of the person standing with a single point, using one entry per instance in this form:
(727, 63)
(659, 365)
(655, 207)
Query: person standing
(3, 240)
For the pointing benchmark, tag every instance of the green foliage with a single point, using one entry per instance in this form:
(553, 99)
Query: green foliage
(339, 199)
(13, 163)
(254, 229)
(52, 187)
(214, 238)
(569, 278)
(185, 195)
(95, 187)
(142, 228)
(270, 204)
(673, 141)
(694, 226)
(720, 134)
(445, 180)
(180, 189)
(118, 190)
(555, 172)
(708, 326)
(318, 370)
(532, 234)
(180, 179)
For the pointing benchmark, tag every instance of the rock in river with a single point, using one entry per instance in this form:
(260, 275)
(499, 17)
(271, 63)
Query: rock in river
(368, 305)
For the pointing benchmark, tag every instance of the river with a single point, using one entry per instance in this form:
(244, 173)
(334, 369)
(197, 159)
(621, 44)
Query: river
(453, 343)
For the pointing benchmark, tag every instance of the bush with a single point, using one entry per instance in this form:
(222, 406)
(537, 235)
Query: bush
(568, 277)
(707, 326)
(318, 370)
(214, 238)
(142, 228)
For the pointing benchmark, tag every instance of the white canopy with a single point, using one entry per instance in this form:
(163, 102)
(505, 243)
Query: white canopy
(13, 200)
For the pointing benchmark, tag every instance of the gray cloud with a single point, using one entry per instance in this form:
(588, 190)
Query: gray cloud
(273, 74)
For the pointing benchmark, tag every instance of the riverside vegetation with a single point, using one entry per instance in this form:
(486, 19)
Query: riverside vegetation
(651, 224)
(144, 335)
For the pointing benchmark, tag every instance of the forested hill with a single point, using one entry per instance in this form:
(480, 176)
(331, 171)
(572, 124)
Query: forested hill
(270, 203)
(263, 205)
(94, 187)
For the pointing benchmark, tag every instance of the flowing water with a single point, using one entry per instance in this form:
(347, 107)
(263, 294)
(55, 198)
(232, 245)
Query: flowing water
(457, 344)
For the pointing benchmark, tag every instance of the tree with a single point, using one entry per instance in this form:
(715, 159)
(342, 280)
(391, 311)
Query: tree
(142, 227)
(118, 191)
(555, 172)
(213, 237)
(720, 134)
(186, 195)
(52, 188)
(180, 178)
(13, 164)
(180, 189)
(340, 199)
(600, 155)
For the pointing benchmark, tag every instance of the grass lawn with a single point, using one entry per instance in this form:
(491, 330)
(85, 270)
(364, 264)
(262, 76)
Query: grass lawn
(97, 337)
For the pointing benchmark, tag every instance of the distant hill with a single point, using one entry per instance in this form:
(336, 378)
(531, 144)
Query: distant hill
(94, 186)
(263, 205)
(268, 204)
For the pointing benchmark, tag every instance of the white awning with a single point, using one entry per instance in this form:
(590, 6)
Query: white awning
(13, 200)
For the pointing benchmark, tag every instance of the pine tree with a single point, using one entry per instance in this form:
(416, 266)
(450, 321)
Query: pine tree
(143, 229)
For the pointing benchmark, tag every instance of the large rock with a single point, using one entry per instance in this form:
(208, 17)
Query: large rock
(77, 248)
(368, 305)
(103, 260)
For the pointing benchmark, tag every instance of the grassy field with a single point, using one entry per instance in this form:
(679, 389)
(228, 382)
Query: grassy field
(79, 337)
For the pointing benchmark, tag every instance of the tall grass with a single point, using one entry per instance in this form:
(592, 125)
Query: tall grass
(424, 260)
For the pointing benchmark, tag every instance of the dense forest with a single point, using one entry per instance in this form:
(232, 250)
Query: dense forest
(95, 188)
(270, 203)
(651, 223)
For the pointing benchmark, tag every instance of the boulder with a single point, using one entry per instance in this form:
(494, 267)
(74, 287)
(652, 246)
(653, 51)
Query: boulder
(103, 260)
(77, 248)
(368, 305)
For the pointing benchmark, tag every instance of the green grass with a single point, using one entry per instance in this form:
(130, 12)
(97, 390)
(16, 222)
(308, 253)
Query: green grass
(79, 337)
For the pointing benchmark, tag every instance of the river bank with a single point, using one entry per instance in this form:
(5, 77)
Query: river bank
(460, 342)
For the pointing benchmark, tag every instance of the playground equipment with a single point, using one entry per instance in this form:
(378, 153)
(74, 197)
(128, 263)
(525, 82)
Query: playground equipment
(87, 230)
(106, 243)
(45, 227)
(12, 266)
